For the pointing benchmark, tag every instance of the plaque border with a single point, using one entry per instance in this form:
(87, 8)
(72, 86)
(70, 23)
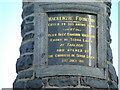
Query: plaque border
(41, 40)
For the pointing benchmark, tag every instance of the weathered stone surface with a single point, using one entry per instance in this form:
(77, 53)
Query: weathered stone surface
(29, 19)
(36, 83)
(59, 82)
(108, 22)
(29, 36)
(95, 83)
(19, 84)
(108, 36)
(27, 28)
(108, 10)
(109, 54)
(112, 73)
(27, 47)
(24, 62)
(25, 74)
(113, 85)
(28, 10)
(26, 3)
(23, 24)
(108, 4)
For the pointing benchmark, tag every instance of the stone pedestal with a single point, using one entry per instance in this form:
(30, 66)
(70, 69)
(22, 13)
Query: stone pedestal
(66, 45)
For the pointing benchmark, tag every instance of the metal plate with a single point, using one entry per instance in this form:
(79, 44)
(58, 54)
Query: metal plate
(71, 39)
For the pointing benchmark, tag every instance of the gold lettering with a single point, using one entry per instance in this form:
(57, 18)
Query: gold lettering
(87, 35)
(79, 55)
(65, 39)
(51, 35)
(60, 18)
(62, 55)
(50, 55)
(64, 60)
(85, 19)
(74, 39)
(91, 57)
(61, 34)
(53, 40)
(81, 61)
(60, 50)
(53, 24)
(62, 45)
(73, 34)
(73, 60)
(72, 55)
(86, 40)
(75, 45)
(74, 50)
(89, 25)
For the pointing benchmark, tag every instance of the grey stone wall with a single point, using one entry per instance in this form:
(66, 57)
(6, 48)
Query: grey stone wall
(26, 77)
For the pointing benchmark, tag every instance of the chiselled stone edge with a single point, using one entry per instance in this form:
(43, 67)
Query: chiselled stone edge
(69, 70)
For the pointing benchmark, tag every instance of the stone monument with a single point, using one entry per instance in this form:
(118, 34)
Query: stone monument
(66, 45)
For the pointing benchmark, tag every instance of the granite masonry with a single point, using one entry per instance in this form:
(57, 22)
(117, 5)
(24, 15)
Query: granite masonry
(33, 67)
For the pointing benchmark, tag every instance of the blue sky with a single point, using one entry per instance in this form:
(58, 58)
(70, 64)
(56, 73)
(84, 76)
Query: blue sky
(10, 39)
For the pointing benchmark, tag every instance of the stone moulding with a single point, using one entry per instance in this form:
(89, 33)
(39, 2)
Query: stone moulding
(40, 53)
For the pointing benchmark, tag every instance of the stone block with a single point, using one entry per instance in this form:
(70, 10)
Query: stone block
(24, 62)
(26, 3)
(25, 74)
(108, 4)
(113, 85)
(95, 83)
(108, 36)
(60, 82)
(108, 22)
(27, 28)
(108, 10)
(27, 47)
(29, 36)
(28, 10)
(36, 83)
(20, 84)
(22, 25)
(112, 73)
(109, 54)
(30, 19)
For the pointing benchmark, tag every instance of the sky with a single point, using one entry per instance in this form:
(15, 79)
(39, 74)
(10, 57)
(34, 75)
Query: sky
(10, 39)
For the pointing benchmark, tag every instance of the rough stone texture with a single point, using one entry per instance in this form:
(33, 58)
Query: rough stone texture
(26, 3)
(25, 74)
(113, 85)
(108, 3)
(60, 82)
(29, 36)
(27, 47)
(36, 83)
(109, 54)
(108, 10)
(30, 19)
(95, 83)
(22, 27)
(108, 22)
(19, 84)
(108, 36)
(27, 28)
(28, 10)
(112, 73)
(24, 62)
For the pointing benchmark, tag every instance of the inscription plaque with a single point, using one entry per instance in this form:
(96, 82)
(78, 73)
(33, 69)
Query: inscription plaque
(71, 39)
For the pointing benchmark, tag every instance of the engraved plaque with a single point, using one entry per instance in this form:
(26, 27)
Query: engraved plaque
(71, 39)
